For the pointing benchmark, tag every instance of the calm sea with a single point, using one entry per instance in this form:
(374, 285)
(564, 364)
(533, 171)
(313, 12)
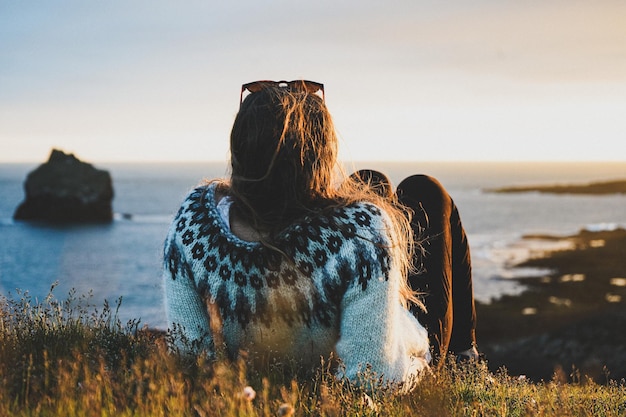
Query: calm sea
(123, 259)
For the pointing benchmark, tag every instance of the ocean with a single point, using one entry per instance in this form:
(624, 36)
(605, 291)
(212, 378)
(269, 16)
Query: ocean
(123, 259)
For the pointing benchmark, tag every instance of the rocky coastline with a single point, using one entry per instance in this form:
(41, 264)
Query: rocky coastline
(569, 323)
(593, 188)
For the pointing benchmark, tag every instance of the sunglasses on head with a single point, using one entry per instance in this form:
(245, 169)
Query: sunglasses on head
(310, 87)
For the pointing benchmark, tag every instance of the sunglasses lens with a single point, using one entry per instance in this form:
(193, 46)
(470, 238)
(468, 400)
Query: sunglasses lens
(313, 87)
(255, 87)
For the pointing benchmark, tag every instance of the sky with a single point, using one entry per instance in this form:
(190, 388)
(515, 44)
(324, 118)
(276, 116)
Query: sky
(405, 80)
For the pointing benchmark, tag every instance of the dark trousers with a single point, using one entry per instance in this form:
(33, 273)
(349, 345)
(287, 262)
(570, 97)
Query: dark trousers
(444, 277)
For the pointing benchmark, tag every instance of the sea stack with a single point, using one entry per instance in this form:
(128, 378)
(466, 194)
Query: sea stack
(67, 190)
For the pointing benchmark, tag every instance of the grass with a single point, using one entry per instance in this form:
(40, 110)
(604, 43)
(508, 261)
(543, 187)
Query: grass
(71, 358)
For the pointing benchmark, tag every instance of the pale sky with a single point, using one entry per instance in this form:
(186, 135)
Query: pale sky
(156, 80)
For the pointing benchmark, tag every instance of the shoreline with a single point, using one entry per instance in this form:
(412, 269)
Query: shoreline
(592, 188)
(569, 318)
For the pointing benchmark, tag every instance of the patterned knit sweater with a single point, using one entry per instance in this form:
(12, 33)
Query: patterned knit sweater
(338, 295)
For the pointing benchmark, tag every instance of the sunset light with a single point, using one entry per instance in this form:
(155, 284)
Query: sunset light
(112, 81)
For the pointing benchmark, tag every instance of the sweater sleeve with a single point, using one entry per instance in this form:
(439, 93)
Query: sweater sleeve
(186, 311)
(380, 340)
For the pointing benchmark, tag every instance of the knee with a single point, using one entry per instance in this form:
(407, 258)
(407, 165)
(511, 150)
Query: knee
(429, 200)
(424, 181)
(425, 189)
(380, 183)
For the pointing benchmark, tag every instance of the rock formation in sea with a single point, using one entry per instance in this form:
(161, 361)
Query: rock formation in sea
(67, 190)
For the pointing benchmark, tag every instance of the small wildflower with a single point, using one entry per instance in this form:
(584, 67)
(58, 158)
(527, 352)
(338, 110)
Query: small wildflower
(368, 402)
(531, 406)
(249, 393)
(285, 410)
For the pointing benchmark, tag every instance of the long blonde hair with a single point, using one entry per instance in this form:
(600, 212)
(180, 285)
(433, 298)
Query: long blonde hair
(284, 166)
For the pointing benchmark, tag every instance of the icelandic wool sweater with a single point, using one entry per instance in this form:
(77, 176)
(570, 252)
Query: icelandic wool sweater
(339, 294)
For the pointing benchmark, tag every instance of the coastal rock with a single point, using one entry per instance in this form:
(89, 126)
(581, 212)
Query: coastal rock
(593, 347)
(576, 326)
(67, 190)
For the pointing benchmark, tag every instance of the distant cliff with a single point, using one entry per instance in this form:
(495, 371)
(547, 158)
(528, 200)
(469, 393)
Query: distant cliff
(597, 188)
(67, 190)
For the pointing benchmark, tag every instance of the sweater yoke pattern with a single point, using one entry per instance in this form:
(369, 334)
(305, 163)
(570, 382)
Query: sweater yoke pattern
(253, 285)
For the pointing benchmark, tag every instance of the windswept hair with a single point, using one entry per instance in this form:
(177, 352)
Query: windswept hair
(284, 166)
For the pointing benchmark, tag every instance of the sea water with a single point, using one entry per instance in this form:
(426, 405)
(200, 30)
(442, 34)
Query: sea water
(123, 258)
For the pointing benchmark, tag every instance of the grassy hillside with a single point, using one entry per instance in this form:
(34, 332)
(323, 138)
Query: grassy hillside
(69, 358)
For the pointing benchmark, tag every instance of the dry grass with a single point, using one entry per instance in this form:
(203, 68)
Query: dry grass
(68, 358)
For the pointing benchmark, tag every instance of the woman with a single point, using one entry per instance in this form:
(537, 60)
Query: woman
(282, 264)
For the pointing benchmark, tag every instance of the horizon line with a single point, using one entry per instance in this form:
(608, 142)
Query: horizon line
(365, 160)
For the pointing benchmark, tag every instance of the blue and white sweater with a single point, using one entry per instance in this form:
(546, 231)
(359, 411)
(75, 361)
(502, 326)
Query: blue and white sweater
(339, 294)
